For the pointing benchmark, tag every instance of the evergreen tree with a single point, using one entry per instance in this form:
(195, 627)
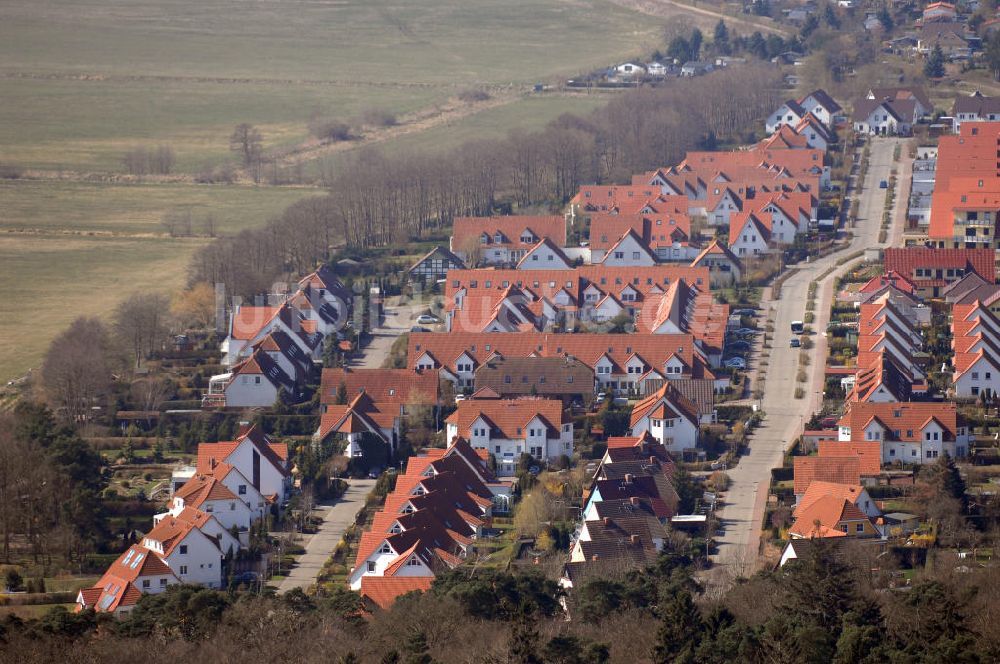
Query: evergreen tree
(885, 18)
(934, 66)
(679, 49)
(342, 393)
(680, 630)
(810, 26)
(720, 38)
(694, 44)
(524, 639)
(416, 650)
(830, 17)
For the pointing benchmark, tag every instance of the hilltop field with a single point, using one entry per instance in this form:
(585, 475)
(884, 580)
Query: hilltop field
(85, 81)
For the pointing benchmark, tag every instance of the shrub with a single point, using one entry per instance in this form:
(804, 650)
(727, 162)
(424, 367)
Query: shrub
(473, 94)
(330, 130)
(378, 117)
(801, 376)
(799, 393)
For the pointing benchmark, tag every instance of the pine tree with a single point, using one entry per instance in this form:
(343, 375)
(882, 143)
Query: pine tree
(720, 37)
(934, 66)
(342, 393)
(680, 630)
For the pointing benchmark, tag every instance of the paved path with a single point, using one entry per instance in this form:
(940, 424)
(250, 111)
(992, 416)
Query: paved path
(336, 519)
(743, 510)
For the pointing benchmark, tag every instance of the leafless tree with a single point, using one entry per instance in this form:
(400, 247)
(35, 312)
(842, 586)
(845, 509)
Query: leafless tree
(246, 141)
(140, 322)
(76, 371)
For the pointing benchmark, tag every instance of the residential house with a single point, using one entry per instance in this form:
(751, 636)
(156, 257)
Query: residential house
(430, 521)
(545, 255)
(838, 470)
(262, 461)
(563, 378)
(974, 108)
(909, 433)
(827, 509)
(503, 240)
(628, 70)
(207, 523)
(622, 363)
(191, 555)
(256, 382)
(211, 496)
(975, 343)
(403, 387)
(723, 265)
(939, 11)
(792, 112)
(972, 289)
(696, 68)
(362, 426)
(136, 572)
(669, 417)
(932, 269)
(434, 265)
(508, 428)
(954, 38)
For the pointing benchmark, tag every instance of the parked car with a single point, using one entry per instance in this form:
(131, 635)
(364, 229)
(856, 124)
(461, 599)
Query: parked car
(883, 185)
(374, 473)
(601, 396)
(736, 363)
(427, 319)
(245, 577)
(419, 328)
(738, 345)
(744, 312)
(795, 343)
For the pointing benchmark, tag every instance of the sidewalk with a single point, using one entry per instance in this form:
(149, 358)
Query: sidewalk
(338, 517)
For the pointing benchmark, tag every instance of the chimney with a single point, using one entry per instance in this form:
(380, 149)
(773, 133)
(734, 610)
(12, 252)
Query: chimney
(607, 521)
(634, 539)
(594, 558)
(629, 478)
(634, 500)
(652, 460)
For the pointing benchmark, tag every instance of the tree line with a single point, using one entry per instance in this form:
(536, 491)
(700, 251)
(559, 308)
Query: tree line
(376, 200)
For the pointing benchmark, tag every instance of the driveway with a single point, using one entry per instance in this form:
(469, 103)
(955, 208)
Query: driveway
(337, 517)
(743, 510)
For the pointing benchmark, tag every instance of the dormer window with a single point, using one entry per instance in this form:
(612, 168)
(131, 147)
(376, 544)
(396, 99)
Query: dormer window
(498, 238)
(527, 238)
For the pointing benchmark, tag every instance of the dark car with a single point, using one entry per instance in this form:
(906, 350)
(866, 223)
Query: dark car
(374, 473)
(738, 345)
(246, 577)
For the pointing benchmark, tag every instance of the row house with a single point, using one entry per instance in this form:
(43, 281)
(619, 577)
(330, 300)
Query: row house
(429, 523)
(973, 289)
(434, 265)
(808, 133)
(622, 364)
(966, 199)
(361, 426)
(888, 343)
(908, 433)
(638, 239)
(818, 104)
(975, 346)
(563, 378)
(503, 240)
(898, 291)
(838, 470)
(827, 509)
(508, 428)
(191, 541)
(932, 269)
(669, 418)
(627, 506)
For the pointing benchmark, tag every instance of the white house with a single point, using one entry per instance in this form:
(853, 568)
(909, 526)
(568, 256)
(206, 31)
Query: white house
(629, 251)
(789, 113)
(190, 554)
(749, 236)
(909, 433)
(545, 256)
(206, 523)
(137, 572)
(210, 495)
(668, 417)
(260, 460)
(508, 428)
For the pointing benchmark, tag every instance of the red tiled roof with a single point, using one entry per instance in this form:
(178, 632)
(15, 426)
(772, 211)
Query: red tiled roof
(382, 385)
(383, 591)
(247, 321)
(869, 453)
(907, 260)
(509, 417)
(840, 470)
(201, 488)
(908, 419)
(471, 229)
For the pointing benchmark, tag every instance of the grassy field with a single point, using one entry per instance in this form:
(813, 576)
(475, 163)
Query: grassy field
(136, 209)
(84, 81)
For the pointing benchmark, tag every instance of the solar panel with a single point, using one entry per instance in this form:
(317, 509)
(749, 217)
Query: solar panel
(128, 557)
(138, 559)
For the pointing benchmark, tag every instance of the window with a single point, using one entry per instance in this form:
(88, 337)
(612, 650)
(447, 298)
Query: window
(843, 527)
(145, 583)
(385, 549)
(163, 583)
(371, 566)
(635, 255)
(413, 562)
(184, 569)
(184, 549)
(242, 490)
(860, 528)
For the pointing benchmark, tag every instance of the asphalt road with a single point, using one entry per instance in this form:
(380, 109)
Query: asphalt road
(743, 507)
(337, 517)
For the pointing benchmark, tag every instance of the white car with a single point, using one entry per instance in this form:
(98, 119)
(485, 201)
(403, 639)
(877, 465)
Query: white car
(427, 319)
(736, 363)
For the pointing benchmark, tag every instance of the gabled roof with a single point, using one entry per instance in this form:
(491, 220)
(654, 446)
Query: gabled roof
(169, 532)
(201, 488)
(868, 453)
(399, 386)
(439, 252)
(908, 419)
(823, 99)
(525, 263)
(509, 418)
(906, 260)
(715, 248)
(382, 591)
(838, 470)
(466, 229)
(210, 454)
(669, 396)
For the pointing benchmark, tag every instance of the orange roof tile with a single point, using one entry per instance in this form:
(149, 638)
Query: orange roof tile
(840, 470)
(383, 591)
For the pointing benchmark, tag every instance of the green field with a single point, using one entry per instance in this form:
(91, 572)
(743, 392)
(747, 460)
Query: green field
(83, 81)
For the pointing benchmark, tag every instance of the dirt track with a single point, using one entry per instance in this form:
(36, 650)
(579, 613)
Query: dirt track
(665, 8)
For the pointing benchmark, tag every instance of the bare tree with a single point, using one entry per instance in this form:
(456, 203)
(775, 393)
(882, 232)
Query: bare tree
(246, 141)
(141, 323)
(76, 371)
